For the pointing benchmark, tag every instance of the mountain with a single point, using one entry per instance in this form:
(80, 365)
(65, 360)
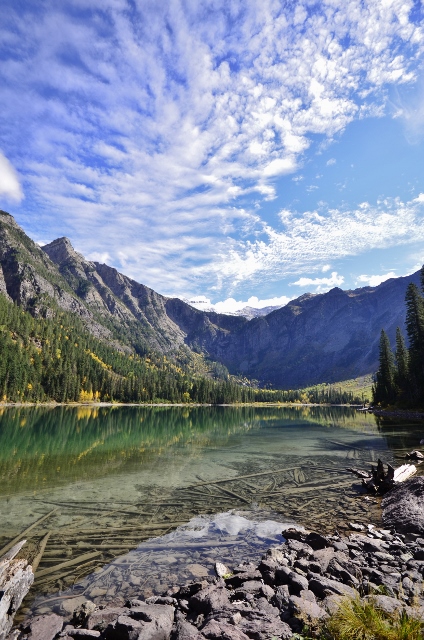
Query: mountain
(315, 338)
(246, 312)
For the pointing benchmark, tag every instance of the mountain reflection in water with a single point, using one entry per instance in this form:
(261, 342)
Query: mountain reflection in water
(113, 477)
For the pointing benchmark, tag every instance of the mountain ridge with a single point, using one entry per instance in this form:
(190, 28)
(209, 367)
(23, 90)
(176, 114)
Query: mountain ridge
(314, 338)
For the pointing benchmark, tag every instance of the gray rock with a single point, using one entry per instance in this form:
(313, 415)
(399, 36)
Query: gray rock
(186, 631)
(216, 630)
(147, 622)
(261, 625)
(317, 541)
(323, 587)
(332, 603)
(403, 506)
(323, 557)
(238, 579)
(101, 618)
(306, 611)
(214, 597)
(44, 627)
(82, 612)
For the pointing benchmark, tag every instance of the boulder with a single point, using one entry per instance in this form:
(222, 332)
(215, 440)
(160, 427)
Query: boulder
(403, 506)
(216, 630)
(213, 598)
(44, 627)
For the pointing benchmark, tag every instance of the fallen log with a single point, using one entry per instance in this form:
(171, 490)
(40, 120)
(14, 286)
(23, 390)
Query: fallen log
(16, 578)
(27, 530)
(380, 481)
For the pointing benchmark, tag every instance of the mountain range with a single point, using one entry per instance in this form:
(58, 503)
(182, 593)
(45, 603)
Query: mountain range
(316, 338)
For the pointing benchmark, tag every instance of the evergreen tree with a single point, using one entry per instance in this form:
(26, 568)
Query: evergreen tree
(402, 371)
(384, 390)
(415, 331)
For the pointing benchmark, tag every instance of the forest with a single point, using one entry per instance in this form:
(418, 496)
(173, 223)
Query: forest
(55, 358)
(399, 380)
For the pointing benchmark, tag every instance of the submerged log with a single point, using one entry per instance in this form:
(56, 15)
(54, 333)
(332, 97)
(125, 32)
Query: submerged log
(16, 578)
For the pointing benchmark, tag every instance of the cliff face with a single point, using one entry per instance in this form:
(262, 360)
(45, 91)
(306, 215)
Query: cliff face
(316, 338)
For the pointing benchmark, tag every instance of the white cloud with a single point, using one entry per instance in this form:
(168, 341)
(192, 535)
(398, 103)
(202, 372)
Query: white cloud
(9, 182)
(313, 238)
(321, 284)
(143, 128)
(325, 268)
(231, 305)
(331, 161)
(374, 281)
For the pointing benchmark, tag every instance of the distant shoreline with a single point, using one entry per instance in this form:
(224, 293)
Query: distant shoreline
(172, 404)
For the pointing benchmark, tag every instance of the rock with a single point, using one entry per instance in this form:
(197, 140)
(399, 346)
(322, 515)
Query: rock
(332, 603)
(214, 597)
(82, 612)
(403, 506)
(323, 557)
(238, 579)
(101, 618)
(44, 627)
(323, 587)
(144, 622)
(186, 631)
(301, 549)
(185, 592)
(261, 625)
(306, 611)
(385, 603)
(221, 570)
(197, 570)
(223, 631)
(317, 541)
(356, 527)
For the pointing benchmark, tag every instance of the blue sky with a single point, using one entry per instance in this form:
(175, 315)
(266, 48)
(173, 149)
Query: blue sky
(222, 150)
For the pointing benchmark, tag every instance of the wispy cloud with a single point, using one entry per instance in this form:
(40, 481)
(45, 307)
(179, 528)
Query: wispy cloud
(148, 130)
(309, 240)
(10, 186)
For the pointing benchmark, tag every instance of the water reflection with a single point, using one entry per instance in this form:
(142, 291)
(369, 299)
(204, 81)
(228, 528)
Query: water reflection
(113, 477)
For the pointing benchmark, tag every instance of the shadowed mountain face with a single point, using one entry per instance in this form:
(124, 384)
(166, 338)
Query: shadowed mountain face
(316, 338)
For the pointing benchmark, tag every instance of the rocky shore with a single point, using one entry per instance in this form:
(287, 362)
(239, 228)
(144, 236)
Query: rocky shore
(300, 582)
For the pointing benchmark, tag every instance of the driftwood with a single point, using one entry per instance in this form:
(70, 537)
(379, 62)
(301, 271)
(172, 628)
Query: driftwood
(40, 553)
(16, 578)
(27, 530)
(381, 481)
(249, 475)
(68, 563)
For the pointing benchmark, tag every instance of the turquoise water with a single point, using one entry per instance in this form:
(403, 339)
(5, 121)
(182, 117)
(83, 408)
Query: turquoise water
(115, 481)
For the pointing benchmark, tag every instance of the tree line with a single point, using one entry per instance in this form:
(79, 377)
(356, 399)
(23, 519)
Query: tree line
(55, 358)
(400, 376)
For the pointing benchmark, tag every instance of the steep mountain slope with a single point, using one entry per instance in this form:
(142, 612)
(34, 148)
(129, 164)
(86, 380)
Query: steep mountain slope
(316, 338)
(325, 337)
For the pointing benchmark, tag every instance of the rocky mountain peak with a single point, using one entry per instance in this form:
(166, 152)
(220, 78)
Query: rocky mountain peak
(61, 250)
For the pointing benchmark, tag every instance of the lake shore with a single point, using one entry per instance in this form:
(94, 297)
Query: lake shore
(302, 581)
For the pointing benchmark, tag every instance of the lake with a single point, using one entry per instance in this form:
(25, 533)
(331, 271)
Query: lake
(132, 499)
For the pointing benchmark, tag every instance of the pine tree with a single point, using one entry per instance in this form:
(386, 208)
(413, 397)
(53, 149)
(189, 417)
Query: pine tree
(415, 331)
(402, 370)
(384, 390)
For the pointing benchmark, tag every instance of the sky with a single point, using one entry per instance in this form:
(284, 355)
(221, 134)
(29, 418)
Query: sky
(231, 152)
